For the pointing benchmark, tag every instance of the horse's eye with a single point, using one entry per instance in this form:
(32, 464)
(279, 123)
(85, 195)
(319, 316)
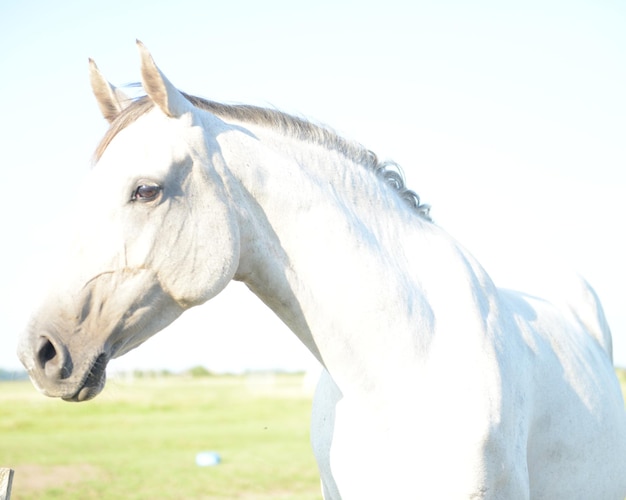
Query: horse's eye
(146, 192)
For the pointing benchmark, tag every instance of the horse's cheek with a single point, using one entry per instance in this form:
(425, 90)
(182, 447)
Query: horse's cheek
(197, 260)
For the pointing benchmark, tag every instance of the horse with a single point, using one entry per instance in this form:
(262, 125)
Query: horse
(436, 384)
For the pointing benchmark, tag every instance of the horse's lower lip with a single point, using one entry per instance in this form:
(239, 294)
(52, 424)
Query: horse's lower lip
(93, 382)
(84, 394)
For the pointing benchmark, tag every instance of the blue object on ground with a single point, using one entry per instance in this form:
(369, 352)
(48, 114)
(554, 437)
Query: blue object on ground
(208, 458)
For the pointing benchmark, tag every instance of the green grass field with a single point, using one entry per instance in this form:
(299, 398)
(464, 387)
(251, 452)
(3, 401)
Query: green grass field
(139, 440)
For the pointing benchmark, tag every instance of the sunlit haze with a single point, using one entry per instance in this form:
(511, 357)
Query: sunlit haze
(508, 118)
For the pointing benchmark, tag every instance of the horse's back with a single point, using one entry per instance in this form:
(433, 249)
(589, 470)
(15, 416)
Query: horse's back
(577, 433)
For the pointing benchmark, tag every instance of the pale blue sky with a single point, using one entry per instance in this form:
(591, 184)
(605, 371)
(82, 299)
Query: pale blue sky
(508, 117)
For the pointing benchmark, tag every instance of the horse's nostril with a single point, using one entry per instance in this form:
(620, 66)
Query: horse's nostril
(53, 361)
(46, 351)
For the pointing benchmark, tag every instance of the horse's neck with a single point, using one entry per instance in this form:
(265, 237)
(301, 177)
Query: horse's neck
(336, 254)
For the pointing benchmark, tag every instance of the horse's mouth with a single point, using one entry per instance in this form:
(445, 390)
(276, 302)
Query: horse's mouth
(93, 382)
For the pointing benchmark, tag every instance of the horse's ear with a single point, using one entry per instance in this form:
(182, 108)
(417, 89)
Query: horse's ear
(111, 100)
(159, 88)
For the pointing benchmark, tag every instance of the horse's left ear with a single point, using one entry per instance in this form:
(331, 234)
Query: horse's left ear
(159, 88)
(111, 100)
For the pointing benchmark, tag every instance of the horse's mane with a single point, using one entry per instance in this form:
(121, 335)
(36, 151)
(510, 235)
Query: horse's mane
(290, 125)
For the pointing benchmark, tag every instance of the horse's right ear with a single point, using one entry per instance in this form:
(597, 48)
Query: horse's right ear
(111, 100)
(159, 88)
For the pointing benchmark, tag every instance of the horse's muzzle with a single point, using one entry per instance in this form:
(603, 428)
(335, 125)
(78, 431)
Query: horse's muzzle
(52, 370)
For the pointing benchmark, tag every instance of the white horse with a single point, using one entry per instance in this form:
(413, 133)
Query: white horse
(437, 384)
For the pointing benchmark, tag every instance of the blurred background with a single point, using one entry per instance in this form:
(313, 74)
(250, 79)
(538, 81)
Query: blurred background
(507, 117)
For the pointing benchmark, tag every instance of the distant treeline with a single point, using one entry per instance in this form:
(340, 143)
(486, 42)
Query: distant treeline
(12, 375)
(197, 372)
(201, 371)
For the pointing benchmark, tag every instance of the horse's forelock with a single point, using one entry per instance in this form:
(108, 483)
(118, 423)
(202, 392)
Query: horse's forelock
(129, 115)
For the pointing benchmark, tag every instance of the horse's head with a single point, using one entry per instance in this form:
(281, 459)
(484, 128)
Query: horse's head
(155, 235)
